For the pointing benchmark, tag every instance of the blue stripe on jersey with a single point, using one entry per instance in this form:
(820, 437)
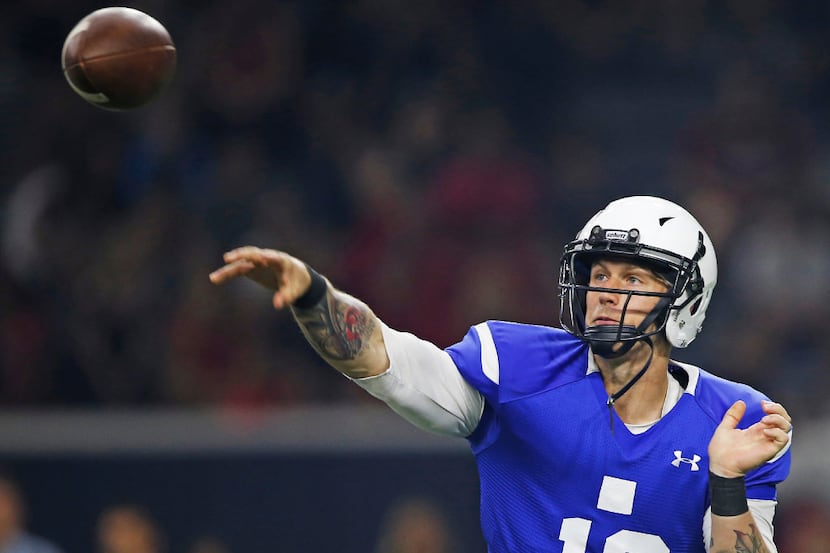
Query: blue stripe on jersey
(552, 471)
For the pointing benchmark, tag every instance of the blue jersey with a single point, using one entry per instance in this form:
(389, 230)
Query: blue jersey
(556, 477)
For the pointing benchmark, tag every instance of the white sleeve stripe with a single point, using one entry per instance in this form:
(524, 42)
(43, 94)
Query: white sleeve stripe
(489, 355)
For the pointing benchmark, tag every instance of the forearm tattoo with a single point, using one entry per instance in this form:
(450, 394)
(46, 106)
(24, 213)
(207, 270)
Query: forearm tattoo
(747, 543)
(338, 327)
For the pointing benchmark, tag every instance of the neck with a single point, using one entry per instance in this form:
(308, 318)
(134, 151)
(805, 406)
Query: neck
(643, 402)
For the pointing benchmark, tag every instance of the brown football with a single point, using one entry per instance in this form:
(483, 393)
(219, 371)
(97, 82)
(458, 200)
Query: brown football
(118, 58)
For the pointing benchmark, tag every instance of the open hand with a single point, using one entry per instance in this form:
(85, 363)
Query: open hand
(287, 276)
(734, 452)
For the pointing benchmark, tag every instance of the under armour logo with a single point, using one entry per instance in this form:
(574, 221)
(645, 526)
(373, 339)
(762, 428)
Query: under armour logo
(678, 458)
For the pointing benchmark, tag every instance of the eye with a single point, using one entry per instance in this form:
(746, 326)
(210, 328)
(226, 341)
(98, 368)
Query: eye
(597, 276)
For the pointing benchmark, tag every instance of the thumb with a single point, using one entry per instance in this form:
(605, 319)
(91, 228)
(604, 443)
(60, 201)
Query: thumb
(734, 415)
(279, 300)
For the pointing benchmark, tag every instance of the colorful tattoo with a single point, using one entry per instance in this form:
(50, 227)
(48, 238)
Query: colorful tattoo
(338, 327)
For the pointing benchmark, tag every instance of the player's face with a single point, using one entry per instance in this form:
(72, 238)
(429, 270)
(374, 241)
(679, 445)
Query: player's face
(608, 308)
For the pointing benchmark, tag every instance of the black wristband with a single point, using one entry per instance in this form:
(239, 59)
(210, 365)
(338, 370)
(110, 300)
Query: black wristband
(316, 291)
(727, 495)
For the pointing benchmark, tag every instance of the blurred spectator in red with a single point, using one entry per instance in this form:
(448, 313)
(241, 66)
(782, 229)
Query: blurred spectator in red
(376, 259)
(481, 252)
(251, 58)
(386, 179)
(212, 362)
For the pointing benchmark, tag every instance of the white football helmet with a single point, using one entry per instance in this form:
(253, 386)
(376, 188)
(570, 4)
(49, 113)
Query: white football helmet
(659, 234)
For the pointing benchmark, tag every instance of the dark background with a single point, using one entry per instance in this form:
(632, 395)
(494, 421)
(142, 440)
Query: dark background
(256, 503)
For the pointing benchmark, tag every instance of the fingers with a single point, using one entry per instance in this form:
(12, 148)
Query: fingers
(254, 255)
(733, 452)
(279, 300)
(777, 421)
(776, 424)
(237, 268)
(241, 261)
(773, 407)
(777, 435)
(734, 415)
(777, 412)
(776, 418)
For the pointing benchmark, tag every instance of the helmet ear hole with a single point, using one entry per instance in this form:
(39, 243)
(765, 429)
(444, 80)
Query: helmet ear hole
(696, 286)
(694, 306)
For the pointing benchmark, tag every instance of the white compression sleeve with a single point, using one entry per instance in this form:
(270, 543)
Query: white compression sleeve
(424, 386)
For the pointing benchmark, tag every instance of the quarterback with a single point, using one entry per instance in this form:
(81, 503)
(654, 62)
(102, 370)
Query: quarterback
(588, 436)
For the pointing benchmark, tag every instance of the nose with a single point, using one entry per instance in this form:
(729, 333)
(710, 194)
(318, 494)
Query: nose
(606, 296)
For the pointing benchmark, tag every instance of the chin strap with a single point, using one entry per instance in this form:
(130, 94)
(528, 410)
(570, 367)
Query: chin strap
(619, 393)
(603, 338)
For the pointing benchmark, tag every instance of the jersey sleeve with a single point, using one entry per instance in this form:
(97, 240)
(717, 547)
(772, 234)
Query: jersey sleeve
(505, 361)
(477, 361)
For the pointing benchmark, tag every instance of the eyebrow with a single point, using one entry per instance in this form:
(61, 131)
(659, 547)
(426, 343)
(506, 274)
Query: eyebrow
(629, 266)
(626, 264)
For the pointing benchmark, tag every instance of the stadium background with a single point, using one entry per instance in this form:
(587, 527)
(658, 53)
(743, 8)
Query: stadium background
(430, 158)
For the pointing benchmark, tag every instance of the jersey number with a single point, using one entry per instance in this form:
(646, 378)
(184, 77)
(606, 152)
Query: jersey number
(574, 533)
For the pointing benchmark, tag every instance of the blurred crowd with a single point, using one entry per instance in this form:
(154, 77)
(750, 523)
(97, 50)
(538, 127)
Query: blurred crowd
(119, 528)
(429, 157)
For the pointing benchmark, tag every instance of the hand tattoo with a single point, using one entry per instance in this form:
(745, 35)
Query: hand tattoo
(749, 543)
(746, 543)
(338, 327)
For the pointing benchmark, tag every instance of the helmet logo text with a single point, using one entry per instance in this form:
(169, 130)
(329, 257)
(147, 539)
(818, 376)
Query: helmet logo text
(616, 235)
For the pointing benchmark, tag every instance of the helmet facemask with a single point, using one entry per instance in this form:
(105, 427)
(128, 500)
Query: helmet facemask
(680, 274)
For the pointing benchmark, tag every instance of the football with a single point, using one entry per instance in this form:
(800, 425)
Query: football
(118, 58)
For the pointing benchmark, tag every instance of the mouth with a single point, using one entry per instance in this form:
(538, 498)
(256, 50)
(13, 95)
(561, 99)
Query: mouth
(605, 321)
